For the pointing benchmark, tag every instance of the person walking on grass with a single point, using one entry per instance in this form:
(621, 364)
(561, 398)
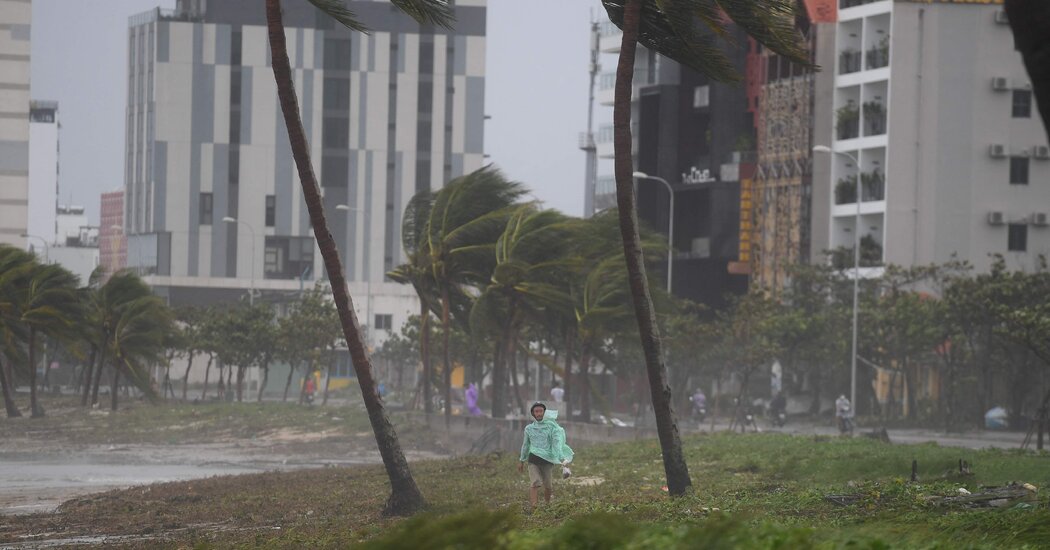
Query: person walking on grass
(542, 448)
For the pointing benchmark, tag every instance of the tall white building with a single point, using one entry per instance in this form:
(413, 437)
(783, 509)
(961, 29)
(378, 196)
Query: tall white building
(386, 115)
(934, 103)
(16, 16)
(43, 170)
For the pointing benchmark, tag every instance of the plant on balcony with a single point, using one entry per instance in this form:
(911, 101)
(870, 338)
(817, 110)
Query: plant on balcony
(878, 56)
(870, 254)
(874, 118)
(846, 191)
(849, 61)
(873, 186)
(847, 121)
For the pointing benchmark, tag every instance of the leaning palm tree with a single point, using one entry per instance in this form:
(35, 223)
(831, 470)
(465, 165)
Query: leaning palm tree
(417, 272)
(16, 265)
(673, 29)
(140, 334)
(48, 304)
(467, 217)
(405, 497)
(105, 307)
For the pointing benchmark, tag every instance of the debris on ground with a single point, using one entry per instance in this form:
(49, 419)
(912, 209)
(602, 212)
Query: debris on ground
(1007, 496)
(844, 500)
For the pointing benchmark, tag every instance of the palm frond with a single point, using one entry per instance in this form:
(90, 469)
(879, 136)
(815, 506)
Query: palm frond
(337, 10)
(771, 22)
(427, 12)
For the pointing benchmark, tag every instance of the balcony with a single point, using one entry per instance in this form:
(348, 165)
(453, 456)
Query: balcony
(872, 188)
(878, 57)
(849, 61)
(874, 119)
(870, 254)
(843, 4)
(847, 122)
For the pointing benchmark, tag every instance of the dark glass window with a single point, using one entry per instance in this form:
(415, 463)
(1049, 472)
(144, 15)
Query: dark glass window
(1018, 170)
(335, 133)
(271, 210)
(1022, 104)
(205, 209)
(337, 53)
(1018, 238)
(335, 171)
(384, 321)
(336, 93)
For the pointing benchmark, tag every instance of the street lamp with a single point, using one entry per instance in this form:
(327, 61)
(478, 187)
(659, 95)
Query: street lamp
(670, 221)
(251, 230)
(47, 253)
(856, 270)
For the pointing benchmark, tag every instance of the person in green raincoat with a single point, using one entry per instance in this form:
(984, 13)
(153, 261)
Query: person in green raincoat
(542, 448)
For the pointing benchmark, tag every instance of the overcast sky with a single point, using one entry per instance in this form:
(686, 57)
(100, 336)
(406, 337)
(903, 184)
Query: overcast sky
(536, 91)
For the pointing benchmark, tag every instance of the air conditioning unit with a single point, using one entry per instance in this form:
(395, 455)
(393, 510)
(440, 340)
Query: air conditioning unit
(1041, 152)
(1000, 83)
(996, 218)
(997, 151)
(1001, 18)
(1039, 218)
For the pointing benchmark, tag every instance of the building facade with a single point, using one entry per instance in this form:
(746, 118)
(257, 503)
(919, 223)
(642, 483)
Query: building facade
(934, 111)
(112, 244)
(43, 170)
(213, 204)
(16, 16)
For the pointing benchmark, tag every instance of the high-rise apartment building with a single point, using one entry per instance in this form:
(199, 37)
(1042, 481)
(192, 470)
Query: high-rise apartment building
(16, 16)
(43, 171)
(213, 203)
(934, 112)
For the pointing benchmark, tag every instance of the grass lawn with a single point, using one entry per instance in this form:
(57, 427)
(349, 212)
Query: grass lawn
(750, 491)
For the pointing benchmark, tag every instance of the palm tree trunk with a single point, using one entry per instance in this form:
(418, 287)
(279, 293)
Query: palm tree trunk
(207, 373)
(424, 352)
(85, 385)
(113, 388)
(446, 357)
(499, 373)
(585, 382)
(229, 381)
(567, 374)
(288, 383)
(678, 481)
(512, 360)
(186, 376)
(9, 400)
(34, 407)
(98, 371)
(47, 369)
(405, 497)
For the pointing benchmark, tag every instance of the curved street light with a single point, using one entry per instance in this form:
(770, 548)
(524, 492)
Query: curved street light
(47, 252)
(856, 270)
(670, 221)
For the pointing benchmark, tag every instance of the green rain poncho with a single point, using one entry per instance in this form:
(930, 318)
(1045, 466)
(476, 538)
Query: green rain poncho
(546, 439)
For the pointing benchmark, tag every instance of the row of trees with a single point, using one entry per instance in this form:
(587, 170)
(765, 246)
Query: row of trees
(116, 326)
(244, 336)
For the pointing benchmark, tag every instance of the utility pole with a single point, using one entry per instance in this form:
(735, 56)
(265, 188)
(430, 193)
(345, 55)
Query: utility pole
(587, 139)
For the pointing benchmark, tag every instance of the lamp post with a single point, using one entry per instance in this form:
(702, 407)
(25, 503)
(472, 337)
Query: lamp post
(670, 221)
(251, 230)
(856, 270)
(47, 253)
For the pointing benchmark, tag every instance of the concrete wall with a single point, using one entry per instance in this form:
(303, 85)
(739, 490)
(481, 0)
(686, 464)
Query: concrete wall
(14, 120)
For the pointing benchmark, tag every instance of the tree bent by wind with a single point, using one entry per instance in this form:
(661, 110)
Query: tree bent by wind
(405, 497)
(673, 29)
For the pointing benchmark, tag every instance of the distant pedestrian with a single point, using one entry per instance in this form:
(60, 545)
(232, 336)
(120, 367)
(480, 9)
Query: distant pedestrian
(309, 388)
(471, 396)
(542, 447)
(557, 393)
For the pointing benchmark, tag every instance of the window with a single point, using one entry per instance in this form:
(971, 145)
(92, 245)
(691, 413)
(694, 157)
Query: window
(384, 321)
(1018, 170)
(271, 210)
(335, 133)
(1018, 238)
(1022, 104)
(205, 209)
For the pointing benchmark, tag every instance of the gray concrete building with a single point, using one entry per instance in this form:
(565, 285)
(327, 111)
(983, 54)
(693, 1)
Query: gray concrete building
(934, 103)
(15, 18)
(213, 201)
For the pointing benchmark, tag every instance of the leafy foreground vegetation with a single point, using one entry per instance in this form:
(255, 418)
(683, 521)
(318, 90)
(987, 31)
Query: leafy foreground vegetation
(751, 491)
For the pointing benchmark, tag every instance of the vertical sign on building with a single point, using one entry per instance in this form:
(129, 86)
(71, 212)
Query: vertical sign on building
(743, 264)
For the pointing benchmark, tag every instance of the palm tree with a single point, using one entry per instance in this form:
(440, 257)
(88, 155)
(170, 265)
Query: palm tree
(15, 268)
(670, 27)
(417, 272)
(105, 307)
(467, 217)
(139, 335)
(405, 497)
(48, 304)
(531, 252)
